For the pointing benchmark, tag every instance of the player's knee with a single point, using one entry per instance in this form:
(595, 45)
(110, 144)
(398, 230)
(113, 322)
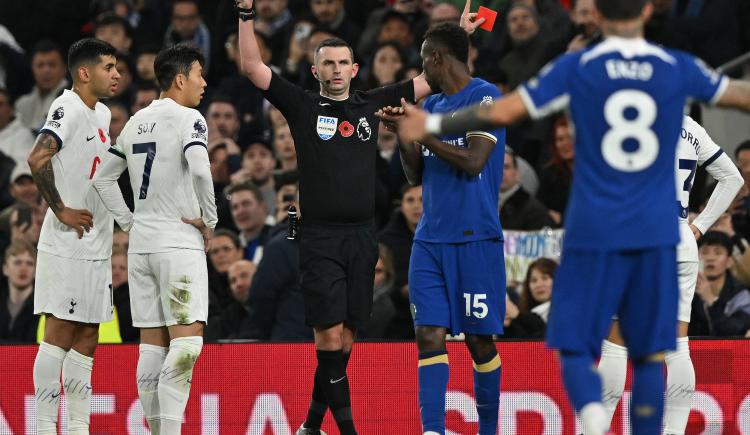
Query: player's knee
(86, 339)
(480, 346)
(430, 338)
(654, 358)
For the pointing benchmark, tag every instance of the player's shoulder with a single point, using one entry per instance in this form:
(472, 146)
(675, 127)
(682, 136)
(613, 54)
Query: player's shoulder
(482, 90)
(65, 104)
(101, 108)
(688, 123)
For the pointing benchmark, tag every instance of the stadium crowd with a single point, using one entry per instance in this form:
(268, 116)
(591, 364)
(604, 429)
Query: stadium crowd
(253, 268)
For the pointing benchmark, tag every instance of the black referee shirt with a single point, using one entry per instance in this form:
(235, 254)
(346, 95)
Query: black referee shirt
(336, 144)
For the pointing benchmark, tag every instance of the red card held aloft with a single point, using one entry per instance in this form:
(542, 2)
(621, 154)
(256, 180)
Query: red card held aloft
(489, 18)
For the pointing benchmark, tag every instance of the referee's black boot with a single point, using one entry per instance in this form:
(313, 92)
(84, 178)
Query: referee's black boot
(305, 431)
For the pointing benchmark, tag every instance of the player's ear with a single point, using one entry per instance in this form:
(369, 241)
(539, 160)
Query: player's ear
(355, 69)
(648, 9)
(179, 81)
(314, 71)
(83, 74)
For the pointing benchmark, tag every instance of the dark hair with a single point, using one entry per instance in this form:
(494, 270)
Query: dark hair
(543, 265)
(88, 50)
(620, 9)
(148, 48)
(716, 238)
(223, 232)
(406, 187)
(452, 38)
(45, 46)
(195, 2)
(744, 146)
(223, 98)
(334, 42)
(18, 247)
(112, 19)
(147, 86)
(394, 15)
(111, 103)
(174, 60)
(244, 186)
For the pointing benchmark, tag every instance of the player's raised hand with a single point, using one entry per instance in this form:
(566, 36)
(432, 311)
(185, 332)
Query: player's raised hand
(79, 220)
(412, 127)
(469, 21)
(390, 116)
(206, 232)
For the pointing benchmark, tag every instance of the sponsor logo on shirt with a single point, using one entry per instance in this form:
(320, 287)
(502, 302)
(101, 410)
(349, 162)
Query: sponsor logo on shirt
(363, 130)
(200, 130)
(326, 126)
(346, 129)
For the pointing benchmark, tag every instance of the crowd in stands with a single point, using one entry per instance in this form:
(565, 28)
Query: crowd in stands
(253, 268)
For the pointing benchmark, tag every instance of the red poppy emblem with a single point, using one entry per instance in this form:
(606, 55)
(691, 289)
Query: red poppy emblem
(102, 136)
(346, 129)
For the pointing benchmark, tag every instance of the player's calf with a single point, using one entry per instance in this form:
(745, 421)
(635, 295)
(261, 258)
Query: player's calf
(433, 372)
(76, 375)
(647, 404)
(584, 388)
(487, 372)
(174, 381)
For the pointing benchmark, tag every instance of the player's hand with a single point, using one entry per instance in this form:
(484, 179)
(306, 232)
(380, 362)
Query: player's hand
(412, 127)
(469, 21)
(390, 116)
(245, 4)
(696, 232)
(206, 232)
(79, 220)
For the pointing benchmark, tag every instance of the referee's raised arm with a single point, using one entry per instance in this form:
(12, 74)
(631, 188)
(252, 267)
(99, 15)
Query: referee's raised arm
(252, 64)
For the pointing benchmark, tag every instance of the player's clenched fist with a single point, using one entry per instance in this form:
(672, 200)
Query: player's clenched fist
(244, 4)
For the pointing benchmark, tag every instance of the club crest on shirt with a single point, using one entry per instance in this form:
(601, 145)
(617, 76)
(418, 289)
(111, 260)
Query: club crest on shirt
(486, 101)
(326, 126)
(363, 129)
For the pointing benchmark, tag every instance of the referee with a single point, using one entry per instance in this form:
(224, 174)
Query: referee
(335, 133)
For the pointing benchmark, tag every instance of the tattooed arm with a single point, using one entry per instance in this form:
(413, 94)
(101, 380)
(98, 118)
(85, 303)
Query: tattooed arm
(40, 162)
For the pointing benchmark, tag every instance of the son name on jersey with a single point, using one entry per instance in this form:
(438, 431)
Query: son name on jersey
(146, 127)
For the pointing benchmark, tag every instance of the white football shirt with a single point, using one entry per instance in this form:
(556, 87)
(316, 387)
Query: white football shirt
(83, 136)
(154, 143)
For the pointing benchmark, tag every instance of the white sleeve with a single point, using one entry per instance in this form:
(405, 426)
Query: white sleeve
(105, 183)
(729, 183)
(200, 171)
(61, 120)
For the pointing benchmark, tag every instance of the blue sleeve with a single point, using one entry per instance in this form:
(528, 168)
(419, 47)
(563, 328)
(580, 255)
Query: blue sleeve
(486, 94)
(548, 92)
(700, 80)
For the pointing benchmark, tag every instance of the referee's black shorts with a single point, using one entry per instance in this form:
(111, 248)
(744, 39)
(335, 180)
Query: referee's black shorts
(337, 268)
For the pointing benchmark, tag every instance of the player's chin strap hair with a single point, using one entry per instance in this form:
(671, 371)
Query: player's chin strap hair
(471, 119)
(245, 14)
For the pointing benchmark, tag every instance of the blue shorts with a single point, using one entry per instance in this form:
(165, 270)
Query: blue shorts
(639, 286)
(458, 286)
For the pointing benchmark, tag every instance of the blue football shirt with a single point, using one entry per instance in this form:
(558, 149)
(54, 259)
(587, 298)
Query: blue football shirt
(626, 98)
(458, 207)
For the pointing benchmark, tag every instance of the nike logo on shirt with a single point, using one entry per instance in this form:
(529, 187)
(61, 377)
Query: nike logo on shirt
(324, 104)
(89, 138)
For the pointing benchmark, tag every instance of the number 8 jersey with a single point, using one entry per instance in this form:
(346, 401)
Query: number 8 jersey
(630, 95)
(154, 143)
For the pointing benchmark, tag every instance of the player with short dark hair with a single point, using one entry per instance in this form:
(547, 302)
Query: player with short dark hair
(76, 236)
(455, 284)
(626, 97)
(163, 146)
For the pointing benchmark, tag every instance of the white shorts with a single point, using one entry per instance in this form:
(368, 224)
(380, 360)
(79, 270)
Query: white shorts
(687, 276)
(73, 289)
(168, 288)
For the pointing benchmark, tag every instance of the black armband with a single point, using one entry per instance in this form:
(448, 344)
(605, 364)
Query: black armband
(465, 120)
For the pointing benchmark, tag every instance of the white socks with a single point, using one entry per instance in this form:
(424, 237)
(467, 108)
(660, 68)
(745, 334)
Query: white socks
(174, 382)
(76, 375)
(680, 388)
(594, 419)
(150, 362)
(613, 368)
(47, 366)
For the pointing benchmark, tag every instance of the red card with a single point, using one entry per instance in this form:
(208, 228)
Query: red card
(489, 18)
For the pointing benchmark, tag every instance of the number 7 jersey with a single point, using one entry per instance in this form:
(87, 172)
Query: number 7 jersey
(154, 143)
(626, 98)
